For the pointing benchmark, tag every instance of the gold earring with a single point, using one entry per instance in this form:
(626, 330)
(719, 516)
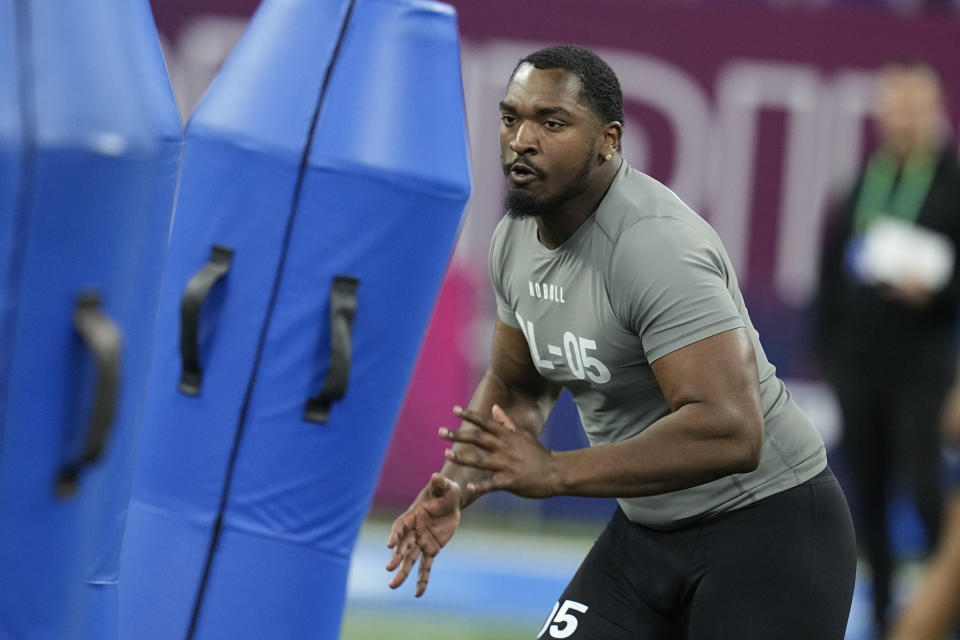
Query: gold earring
(608, 156)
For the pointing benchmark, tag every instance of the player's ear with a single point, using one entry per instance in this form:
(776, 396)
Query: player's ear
(612, 136)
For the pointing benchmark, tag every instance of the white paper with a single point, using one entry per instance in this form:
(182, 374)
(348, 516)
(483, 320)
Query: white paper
(896, 252)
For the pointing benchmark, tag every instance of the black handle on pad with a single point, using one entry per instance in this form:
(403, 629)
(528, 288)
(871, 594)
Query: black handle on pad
(102, 337)
(190, 306)
(343, 307)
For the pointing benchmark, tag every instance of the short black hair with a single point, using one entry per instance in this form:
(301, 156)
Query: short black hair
(601, 88)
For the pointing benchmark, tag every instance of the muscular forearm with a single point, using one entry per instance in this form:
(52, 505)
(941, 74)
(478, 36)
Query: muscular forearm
(530, 413)
(691, 446)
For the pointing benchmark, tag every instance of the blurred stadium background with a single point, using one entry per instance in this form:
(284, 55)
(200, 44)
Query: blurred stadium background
(755, 113)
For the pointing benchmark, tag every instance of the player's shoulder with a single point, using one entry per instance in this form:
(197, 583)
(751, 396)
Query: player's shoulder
(639, 210)
(635, 198)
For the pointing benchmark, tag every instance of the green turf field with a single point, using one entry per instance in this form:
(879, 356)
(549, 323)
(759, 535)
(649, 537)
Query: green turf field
(497, 581)
(380, 625)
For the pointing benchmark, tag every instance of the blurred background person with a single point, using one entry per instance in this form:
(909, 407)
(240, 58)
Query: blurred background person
(887, 311)
(934, 608)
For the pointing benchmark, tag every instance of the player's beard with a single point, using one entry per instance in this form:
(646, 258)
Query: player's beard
(520, 203)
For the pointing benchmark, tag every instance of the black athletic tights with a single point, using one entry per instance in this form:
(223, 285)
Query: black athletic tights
(782, 568)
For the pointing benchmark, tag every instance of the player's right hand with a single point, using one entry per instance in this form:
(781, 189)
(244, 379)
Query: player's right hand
(423, 529)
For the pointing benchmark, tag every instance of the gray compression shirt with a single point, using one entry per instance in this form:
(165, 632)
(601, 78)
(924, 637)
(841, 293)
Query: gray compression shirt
(642, 277)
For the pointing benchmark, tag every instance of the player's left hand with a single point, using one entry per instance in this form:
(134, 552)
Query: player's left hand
(517, 460)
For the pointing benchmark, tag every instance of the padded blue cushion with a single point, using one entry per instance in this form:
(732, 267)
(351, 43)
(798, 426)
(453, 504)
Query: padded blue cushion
(90, 146)
(379, 197)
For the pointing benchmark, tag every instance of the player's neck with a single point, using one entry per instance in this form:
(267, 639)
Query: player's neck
(563, 222)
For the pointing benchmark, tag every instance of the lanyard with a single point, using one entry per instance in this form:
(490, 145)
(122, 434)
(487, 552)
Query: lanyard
(879, 197)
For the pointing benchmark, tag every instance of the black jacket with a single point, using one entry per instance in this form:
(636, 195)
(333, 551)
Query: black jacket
(856, 326)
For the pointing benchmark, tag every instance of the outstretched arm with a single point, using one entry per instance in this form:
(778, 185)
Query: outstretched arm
(512, 382)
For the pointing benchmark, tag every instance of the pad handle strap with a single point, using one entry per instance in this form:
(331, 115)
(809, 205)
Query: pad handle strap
(343, 308)
(196, 292)
(102, 338)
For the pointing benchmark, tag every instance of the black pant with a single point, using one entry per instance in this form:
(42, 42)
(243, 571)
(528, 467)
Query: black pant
(891, 431)
(783, 568)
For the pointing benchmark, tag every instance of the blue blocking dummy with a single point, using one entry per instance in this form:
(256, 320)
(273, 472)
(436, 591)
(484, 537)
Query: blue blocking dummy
(325, 175)
(241, 169)
(11, 154)
(90, 145)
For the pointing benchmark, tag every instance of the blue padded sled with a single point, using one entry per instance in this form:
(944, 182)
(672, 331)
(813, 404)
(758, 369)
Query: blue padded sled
(90, 144)
(271, 409)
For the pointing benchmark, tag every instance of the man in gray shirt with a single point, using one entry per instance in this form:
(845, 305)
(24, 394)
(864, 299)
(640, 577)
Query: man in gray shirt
(730, 524)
